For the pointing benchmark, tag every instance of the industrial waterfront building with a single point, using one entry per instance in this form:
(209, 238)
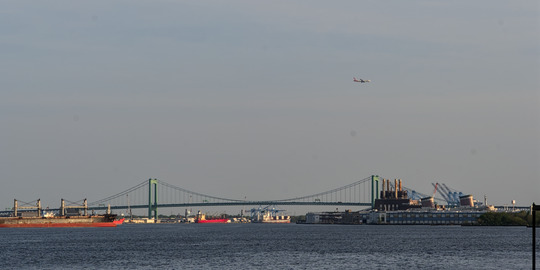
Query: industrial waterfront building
(395, 207)
(418, 217)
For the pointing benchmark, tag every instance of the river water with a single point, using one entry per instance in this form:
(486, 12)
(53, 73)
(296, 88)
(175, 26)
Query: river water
(267, 246)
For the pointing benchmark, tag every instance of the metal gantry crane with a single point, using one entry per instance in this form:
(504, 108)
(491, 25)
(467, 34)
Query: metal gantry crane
(451, 197)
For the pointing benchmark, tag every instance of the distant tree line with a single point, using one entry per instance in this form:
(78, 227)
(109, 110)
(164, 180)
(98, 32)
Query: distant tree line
(523, 218)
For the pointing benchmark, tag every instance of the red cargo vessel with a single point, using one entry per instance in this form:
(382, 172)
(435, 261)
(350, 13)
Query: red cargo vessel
(217, 220)
(201, 218)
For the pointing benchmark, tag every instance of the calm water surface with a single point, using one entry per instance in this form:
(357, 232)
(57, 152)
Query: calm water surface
(266, 246)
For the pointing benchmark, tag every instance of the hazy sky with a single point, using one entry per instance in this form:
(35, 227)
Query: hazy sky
(256, 99)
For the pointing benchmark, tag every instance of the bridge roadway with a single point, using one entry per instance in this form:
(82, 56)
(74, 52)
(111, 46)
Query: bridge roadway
(239, 203)
(500, 208)
(202, 204)
(115, 207)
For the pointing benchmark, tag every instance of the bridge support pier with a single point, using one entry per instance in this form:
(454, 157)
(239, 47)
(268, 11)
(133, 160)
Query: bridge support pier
(374, 189)
(152, 206)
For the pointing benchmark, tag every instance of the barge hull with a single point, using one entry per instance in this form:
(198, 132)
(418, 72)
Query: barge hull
(58, 225)
(46, 222)
(212, 221)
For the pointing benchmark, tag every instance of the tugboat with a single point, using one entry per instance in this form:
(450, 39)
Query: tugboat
(119, 221)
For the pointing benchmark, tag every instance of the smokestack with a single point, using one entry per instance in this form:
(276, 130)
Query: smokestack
(400, 189)
(382, 189)
(395, 187)
(428, 202)
(388, 185)
(466, 200)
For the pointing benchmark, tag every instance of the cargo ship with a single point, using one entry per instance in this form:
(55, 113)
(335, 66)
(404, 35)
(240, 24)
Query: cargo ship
(267, 215)
(59, 221)
(201, 218)
(68, 216)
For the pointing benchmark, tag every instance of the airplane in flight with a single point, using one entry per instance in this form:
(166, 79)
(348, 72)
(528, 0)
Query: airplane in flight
(360, 80)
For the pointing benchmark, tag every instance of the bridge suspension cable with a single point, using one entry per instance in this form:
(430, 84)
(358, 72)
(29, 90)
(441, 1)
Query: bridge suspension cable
(196, 193)
(117, 195)
(322, 194)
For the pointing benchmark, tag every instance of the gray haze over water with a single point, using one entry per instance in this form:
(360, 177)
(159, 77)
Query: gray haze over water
(241, 99)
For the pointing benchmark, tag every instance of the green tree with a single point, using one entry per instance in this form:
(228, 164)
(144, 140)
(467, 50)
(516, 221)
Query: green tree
(503, 219)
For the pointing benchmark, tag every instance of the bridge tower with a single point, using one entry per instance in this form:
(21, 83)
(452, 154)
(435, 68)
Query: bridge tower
(374, 189)
(152, 206)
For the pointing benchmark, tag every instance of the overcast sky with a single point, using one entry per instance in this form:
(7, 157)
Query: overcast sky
(255, 98)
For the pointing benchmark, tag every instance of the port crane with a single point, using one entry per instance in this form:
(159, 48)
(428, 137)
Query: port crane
(451, 197)
(435, 190)
(261, 210)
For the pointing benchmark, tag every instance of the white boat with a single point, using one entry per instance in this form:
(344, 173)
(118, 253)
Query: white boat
(266, 215)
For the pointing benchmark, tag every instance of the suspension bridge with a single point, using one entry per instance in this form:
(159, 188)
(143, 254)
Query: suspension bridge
(160, 194)
(154, 194)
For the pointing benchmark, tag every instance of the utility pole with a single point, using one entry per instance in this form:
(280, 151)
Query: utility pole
(534, 208)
